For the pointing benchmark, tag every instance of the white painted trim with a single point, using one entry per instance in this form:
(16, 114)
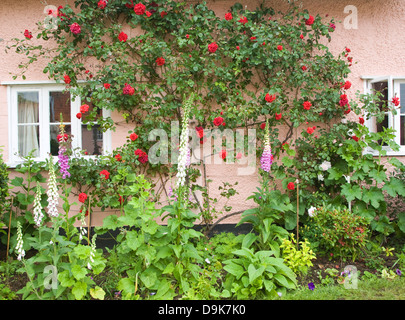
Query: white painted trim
(44, 88)
(393, 121)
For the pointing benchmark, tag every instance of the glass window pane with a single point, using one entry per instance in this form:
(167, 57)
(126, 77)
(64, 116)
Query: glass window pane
(28, 140)
(402, 130)
(59, 103)
(28, 107)
(92, 140)
(382, 87)
(54, 131)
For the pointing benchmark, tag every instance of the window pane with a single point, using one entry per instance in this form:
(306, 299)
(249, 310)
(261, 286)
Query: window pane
(28, 140)
(402, 130)
(28, 107)
(402, 97)
(59, 103)
(382, 87)
(92, 140)
(54, 131)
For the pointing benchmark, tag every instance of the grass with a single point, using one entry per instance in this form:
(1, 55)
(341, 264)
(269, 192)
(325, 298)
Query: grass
(367, 289)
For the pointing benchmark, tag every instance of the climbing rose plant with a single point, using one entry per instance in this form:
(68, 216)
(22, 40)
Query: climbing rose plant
(245, 68)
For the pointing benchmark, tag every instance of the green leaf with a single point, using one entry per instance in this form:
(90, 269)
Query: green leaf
(234, 269)
(126, 285)
(79, 290)
(65, 279)
(334, 174)
(254, 273)
(351, 192)
(97, 293)
(373, 196)
(169, 268)
(134, 240)
(394, 187)
(149, 277)
(401, 221)
(79, 272)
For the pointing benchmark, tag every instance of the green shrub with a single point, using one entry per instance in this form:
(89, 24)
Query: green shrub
(299, 260)
(341, 233)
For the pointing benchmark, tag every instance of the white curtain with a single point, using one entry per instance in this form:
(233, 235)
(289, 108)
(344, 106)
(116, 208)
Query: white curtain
(28, 123)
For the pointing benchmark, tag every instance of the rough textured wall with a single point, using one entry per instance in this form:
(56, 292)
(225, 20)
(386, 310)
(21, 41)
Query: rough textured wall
(376, 45)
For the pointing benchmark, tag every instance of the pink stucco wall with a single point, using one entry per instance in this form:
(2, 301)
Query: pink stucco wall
(377, 48)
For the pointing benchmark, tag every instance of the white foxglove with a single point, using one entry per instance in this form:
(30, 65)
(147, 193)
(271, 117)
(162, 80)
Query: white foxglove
(92, 252)
(37, 213)
(53, 196)
(20, 244)
(184, 152)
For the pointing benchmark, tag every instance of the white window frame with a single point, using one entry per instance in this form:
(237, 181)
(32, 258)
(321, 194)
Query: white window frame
(44, 88)
(394, 121)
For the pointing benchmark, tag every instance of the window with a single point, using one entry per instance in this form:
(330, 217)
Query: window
(35, 113)
(389, 87)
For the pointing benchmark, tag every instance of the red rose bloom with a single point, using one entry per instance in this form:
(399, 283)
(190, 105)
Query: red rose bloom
(107, 85)
(128, 90)
(130, 5)
(122, 37)
(361, 120)
(290, 186)
(27, 34)
(310, 21)
(142, 156)
(347, 85)
(212, 47)
(118, 157)
(79, 115)
(395, 101)
(84, 108)
(160, 61)
(218, 121)
(304, 68)
(310, 130)
(102, 4)
(279, 47)
(133, 136)
(307, 105)
(355, 138)
(75, 28)
(263, 126)
(270, 98)
(302, 36)
(278, 116)
(243, 20)
(200, 131)
(139, 9)
(105, 173)
(223, 154)
(228, 16)
(148, 13)
(343, 100)
(82, 197)
(163, 13)
(67, 79)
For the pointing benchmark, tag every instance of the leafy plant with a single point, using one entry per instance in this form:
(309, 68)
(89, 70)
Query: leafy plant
(299, 260)
(341, 232)
(257, 274)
